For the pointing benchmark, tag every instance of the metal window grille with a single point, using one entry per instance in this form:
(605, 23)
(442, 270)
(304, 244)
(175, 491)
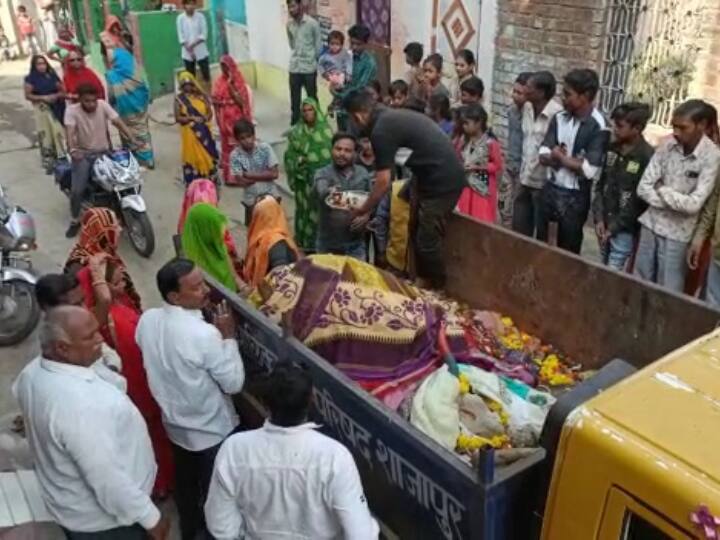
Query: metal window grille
(650, 53)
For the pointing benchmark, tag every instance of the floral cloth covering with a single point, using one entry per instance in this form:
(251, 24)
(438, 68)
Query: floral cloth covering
(384, 333)
(368, 323)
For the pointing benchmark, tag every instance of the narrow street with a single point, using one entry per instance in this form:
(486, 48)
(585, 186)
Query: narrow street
(28, 186)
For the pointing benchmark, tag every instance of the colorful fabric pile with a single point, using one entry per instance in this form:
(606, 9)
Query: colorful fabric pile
(379, 330)
(392, 339)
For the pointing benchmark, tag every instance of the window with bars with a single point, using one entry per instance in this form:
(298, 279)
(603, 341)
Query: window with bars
(650, 54)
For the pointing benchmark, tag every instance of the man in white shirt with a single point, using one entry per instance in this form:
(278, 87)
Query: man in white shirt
(192, 35)
(55, 290)
(676, 184)
(192, 367)
(90, 444)
(286, 480)
(574, 152)
(538, 110)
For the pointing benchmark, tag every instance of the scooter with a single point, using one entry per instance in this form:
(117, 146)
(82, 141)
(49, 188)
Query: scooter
(115, 183)
(19, 309)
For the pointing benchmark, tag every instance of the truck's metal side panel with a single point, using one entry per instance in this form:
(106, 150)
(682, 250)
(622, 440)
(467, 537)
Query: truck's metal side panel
(586, 310)
(417, 488)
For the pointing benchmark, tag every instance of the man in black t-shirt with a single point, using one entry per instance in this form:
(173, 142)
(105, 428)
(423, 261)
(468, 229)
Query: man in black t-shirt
(438, 175)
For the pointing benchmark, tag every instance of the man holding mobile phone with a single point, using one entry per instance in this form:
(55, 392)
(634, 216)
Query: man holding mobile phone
(193, 367)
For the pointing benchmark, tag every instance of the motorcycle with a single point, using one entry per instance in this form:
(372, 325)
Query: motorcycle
(116, 183)
(19, 309)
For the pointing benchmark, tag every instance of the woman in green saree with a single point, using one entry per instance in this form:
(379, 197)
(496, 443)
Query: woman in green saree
(309, 146)
(203, 242)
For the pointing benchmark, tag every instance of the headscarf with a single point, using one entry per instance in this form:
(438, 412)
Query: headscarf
(110, 39)
(129, 93)
(74, 77)
(203, 190)
(308, 146)
(100, 233)
(268, 227)
(235, 80)
(46, 84)
(70, 44)
(202, 243)
(185, 77)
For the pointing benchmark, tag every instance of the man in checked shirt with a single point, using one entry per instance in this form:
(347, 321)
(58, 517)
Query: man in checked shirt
(676, 185)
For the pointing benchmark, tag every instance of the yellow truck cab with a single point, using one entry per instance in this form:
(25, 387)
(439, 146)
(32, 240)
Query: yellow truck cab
(642, 459)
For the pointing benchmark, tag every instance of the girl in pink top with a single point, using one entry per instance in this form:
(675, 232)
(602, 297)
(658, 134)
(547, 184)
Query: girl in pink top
(483, 160)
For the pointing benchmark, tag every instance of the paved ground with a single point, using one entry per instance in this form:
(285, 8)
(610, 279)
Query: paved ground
(27, 185)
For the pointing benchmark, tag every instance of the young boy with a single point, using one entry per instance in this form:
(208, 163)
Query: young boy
(676, 185)
(574, 150)
(509, 182)
(336, 63)
(439, 107)
(414, 77)
(616, 206)
(253, 166)
(399, 94)
(471, 91)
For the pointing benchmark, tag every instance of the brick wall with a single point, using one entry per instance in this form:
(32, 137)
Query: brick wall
(707, 80)
(534, 35)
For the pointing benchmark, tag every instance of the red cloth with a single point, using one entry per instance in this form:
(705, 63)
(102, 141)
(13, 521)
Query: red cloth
(475, 205)
(227, 110)
(25, 25)
(695, 279)
(74, 77)
(119, 333)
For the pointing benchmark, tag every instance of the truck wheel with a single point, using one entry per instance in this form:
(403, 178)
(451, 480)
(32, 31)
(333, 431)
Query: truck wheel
(140, 231)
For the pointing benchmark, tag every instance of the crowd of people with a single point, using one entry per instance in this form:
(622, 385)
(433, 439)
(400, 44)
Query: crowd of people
(654, 209)
(405, 160)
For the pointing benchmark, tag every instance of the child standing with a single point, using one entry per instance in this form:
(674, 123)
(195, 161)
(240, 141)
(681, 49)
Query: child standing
(440, 112)
(483, 161)
(509, 182)
(399, 94)
(414, 76)
(336, 64)
(433, 70)
(465, 67)
(253, 166)
(472, 91)
(26, 27)
(616, 207)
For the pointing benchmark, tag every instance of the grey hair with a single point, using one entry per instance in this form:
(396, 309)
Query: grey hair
(51, 332)
(53, 328)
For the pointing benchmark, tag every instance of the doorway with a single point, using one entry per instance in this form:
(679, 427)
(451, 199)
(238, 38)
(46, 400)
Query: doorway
(376, 15)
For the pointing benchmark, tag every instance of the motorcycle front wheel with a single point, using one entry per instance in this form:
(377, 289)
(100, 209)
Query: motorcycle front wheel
(19, 311)
(140, 231)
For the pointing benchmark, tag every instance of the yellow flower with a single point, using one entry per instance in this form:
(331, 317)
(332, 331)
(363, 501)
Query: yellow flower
(471, 443)
(497, 408)
(507, 321)
(464, 384)
(551, 371)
